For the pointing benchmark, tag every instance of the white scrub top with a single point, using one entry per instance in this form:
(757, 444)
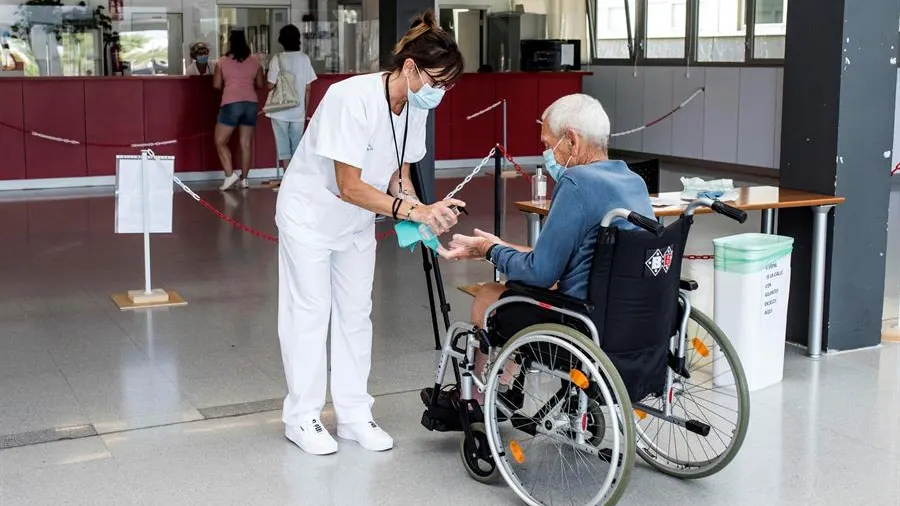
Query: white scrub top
(350, 125)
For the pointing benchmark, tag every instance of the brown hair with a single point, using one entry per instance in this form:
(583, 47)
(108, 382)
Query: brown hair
(431, 48)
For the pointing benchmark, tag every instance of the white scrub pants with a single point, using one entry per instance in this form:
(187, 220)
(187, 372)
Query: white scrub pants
(314, 284)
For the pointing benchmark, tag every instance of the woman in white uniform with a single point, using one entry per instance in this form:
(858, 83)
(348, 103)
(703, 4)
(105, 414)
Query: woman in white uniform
(352, 163)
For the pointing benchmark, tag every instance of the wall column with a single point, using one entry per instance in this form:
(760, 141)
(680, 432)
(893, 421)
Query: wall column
(837, 137)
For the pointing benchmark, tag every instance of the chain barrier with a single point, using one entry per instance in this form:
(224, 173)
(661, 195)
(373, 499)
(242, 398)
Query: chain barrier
(154, 144)
(485, 110)
(698, 257)
(472, 174)
(231, 221)
(657, 120)
(663, 117)
(515, 164)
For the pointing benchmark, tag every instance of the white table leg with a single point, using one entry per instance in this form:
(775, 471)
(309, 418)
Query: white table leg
(534, 227)
(768, 221)
(817, 281)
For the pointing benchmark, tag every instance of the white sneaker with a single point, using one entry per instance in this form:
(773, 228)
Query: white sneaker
(245, 184)
(312, 438)
(229, 181)
(368, 434)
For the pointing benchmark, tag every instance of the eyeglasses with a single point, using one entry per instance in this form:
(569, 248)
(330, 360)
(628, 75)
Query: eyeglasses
(435, 83)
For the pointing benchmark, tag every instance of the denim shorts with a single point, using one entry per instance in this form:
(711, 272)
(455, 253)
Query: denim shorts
(238, 114)
(287, 137)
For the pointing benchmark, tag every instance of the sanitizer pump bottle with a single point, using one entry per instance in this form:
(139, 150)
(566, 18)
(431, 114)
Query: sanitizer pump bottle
(539, 187)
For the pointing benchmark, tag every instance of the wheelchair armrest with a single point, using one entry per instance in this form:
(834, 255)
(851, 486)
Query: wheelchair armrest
(688, 285)
(550, 297)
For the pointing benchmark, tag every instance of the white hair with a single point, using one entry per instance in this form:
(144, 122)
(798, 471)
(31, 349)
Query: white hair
(581, 113)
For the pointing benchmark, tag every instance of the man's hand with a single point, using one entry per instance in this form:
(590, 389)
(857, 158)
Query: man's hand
(490, 237)
(464, 247)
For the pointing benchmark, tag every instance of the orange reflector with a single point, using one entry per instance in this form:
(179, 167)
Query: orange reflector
(516, 451)
(579, 379)
(701, 348)
(640, 414)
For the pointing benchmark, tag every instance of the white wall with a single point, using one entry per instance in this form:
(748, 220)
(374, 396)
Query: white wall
(737, 119)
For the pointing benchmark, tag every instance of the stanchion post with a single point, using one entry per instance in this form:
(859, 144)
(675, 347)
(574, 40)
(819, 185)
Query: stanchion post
(498, 204)
(503, 179)
(145, 197)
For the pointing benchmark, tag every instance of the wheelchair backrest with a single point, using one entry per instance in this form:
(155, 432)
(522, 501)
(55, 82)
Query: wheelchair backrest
(634, 288)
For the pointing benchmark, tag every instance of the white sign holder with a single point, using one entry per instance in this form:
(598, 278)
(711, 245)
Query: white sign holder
(144, 197)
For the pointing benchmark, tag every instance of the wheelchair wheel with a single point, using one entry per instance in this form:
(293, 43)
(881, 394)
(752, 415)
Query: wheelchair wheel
(563, 388)
(712, 397)
(476, 456)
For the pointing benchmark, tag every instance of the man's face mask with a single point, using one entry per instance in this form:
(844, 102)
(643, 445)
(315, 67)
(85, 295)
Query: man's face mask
(553, 167)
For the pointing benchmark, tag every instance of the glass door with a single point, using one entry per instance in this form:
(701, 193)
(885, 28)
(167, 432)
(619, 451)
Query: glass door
(152, 43)
(260, 25)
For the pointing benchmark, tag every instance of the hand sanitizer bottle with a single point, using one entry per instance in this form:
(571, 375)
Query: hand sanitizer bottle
(425, 230)
(539, 187)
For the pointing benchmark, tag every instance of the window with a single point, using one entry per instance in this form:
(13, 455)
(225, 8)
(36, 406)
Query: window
(54, 40)
(770, 12)
(666, 28)
(721, 31)
(769, 29)
(673, 32)
(612, 29)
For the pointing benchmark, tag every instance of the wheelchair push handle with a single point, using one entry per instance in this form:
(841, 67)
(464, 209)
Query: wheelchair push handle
(732, 212)
(647, 224)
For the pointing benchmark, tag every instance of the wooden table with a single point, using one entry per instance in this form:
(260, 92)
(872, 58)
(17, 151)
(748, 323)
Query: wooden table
(754, 198)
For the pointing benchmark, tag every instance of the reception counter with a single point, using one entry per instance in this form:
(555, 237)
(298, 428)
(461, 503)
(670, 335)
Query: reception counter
(106, 115)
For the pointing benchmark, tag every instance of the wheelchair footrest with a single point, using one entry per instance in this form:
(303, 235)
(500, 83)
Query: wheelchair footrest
(440, 419)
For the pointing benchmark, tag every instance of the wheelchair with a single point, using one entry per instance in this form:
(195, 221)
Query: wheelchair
(575, 388)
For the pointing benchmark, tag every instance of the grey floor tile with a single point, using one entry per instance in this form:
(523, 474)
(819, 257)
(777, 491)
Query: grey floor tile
(61, 453)
(38, 401)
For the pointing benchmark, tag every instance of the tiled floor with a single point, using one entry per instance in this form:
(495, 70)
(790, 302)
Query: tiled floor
(157, 385)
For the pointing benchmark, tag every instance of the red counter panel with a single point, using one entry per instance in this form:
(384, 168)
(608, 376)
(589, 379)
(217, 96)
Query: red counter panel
(474, 138)
(521, 93)
(12, 137)
(114, 114)
(55, 107)
(153, 109)
(172, 110)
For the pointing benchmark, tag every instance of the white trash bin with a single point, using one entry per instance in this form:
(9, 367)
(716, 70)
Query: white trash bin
(752, 286)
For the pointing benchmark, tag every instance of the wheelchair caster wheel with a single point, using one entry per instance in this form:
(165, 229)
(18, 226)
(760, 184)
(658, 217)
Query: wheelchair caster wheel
(476, 456)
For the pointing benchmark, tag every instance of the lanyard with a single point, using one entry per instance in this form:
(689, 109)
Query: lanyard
(400, 154)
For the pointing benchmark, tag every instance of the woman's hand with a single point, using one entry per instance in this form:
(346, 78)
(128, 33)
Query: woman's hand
(439, 216)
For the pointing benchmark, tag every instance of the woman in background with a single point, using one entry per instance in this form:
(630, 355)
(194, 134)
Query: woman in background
(288, 124)
(200, 65)
(238, 75)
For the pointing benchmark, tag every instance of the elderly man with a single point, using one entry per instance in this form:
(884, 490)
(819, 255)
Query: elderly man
(575, 131)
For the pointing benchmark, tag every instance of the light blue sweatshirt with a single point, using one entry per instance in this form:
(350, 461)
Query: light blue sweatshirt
(565, 248)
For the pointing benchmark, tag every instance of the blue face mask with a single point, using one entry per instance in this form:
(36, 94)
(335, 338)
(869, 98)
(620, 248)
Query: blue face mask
(426, 98)
(202, 59)
(553, 167)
